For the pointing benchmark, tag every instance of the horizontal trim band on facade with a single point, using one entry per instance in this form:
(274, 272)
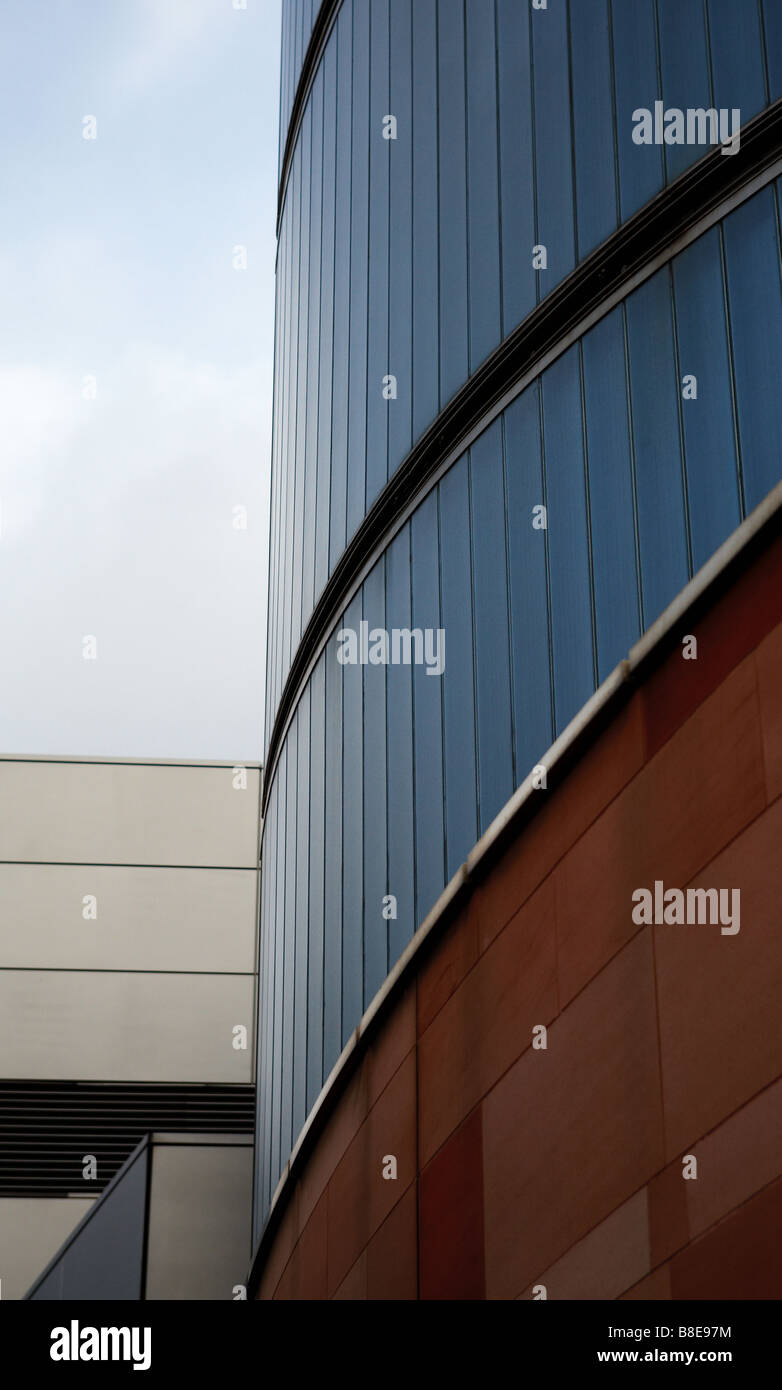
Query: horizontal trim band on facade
(724, 568)
(681, 212)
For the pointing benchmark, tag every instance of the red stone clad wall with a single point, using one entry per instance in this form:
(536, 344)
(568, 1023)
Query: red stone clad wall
(519, 1166)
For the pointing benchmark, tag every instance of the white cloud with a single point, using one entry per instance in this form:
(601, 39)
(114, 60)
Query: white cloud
(118, 521)
(169, 34)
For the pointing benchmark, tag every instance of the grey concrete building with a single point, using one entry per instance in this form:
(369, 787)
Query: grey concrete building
(128, 912)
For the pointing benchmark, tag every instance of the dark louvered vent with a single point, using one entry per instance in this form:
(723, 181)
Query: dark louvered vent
(47, 1128)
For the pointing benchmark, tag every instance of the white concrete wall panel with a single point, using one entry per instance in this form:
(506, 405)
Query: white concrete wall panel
(123, 1026)
(121, 813)
(147, 918)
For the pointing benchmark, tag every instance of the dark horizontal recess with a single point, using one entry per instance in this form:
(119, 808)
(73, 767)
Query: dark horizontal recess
(700, 190)
(46, 1128)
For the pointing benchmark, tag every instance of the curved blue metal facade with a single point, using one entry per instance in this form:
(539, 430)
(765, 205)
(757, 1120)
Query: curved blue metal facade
(454, 163)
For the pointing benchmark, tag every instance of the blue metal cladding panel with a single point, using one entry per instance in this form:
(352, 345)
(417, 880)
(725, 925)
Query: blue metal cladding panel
(611, 491)
(454, 342)
(333, 926)
(270, 956)
(684, 62)
(326, 363)
(375, 800)
(292, 454)
(553, 147)
(772, 23)
(339, 384)
(315, 933)
(568, 538)
(492, 656)
(401, 827)
(482, 183)
(529, 606)
(352, 848)
(427, 709)
(288, 927)
(400, 156)
(752, 256)
(359, 263)
(517, 181)
(737, 57)
(301, 916)
(315, 113)
(654, 393)
(707, 417)
(461, 820)
(637, 86)
(301, 378)
(425, 374)
(275, 1161)
(377, 358)
(593, 125)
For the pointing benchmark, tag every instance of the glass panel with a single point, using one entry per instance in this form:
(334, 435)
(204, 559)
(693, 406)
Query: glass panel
(352, 848)
(752, 255)
(454, 368)
(657, 444)
(593, 124)
(519, 280)
(611, 492)
(458, 680)
(482, 183)
(374, 807)
(427, 709)
(568, 538)
(492, 661)
(401, 861)
(709, 430)
(637, 86)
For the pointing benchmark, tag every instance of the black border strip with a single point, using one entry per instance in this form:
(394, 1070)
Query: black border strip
(701, 189)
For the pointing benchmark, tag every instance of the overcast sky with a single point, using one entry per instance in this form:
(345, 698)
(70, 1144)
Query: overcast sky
(118, 495)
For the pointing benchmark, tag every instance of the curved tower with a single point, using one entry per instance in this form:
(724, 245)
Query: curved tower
(528, 355)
